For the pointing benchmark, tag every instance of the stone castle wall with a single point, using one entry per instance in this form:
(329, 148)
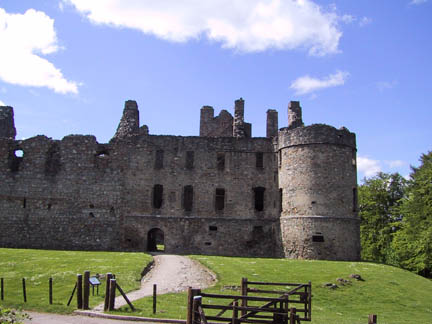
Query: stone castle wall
(222, 193)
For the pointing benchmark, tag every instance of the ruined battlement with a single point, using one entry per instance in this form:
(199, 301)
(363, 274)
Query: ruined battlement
(316, 134)
(223, 192)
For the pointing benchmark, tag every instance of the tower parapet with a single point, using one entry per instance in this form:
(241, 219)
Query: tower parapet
(7, 124)
(318, 179)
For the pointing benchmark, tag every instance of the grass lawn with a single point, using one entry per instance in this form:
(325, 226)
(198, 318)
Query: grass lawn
(37, 266)
(395, 295)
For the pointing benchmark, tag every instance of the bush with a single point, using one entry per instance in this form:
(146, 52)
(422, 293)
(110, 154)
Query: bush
(9, 316)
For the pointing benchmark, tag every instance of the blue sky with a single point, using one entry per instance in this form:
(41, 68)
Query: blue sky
(67, 66)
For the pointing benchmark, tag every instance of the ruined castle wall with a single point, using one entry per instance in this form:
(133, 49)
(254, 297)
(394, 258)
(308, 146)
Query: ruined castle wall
(79, 194)
(319, 193)
(218, 163)
(57, 196)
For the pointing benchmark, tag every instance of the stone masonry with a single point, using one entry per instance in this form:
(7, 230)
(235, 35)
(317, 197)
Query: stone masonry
(290, 194)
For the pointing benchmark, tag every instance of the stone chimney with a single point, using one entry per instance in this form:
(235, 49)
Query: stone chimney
(272, 123)
(129, 123)
(238, 123)
(7, 124)
(294, 115)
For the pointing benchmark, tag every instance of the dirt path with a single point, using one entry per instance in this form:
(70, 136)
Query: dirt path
(171, 273)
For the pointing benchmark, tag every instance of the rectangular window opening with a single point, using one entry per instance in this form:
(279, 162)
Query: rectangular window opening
(212, 228)
(157, 196)
(220, 199)
(220, 161)
(188, 198)
(159, 159)
(259, 163)
(354, 199)
(317, 238)
(190, 160)
(259, 198)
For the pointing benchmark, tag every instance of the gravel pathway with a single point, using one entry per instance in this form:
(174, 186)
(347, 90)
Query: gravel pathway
(171, 273)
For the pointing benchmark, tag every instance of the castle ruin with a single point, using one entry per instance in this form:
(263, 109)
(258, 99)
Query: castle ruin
(290, 194)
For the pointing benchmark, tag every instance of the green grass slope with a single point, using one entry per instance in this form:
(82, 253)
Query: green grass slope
(395, 295)
(37, 266)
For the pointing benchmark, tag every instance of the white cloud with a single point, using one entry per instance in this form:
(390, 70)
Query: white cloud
(307, 84)
(365, 21)
(24, 39)
(348, 19)
(368, 166)
(243, 25)
(395, 163)
(2, 103)
(417, 2)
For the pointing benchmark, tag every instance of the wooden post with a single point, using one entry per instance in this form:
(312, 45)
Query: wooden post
(2, 289)
(86, 290)
(107, 291)
(50, 285)
(112, 295)
(235, 312)
(293, 315)
(125, 297)
(310, 301)
(154, 298)
(24, 290)
(73, 292)
(244, 292)
(79, 292)
(372, 319)
(191, 294)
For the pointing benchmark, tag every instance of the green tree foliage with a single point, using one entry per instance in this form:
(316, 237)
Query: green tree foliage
(379, 203)
(413, 242)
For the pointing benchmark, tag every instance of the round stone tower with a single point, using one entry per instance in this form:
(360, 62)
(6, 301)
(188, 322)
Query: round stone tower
(318, 183)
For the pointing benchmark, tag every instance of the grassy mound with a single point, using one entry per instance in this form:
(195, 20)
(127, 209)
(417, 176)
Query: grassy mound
(395, 295)
(37, 266)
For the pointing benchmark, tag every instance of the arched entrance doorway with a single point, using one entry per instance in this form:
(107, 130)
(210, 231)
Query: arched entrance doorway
(155, 240)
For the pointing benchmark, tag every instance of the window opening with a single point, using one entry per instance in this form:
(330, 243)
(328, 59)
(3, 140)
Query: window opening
(221, 161)
(354, 199)
(212, 228)
(188, 198)
(259, 198)
(159, 159)
(207, 243)
(259, 160)
(220, 199)
(280, 199)
(24, 203)
(317, 238)
(190, 159)
(157, 196)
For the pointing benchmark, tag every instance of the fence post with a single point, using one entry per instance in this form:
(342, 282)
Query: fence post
(2, 289)
(293, 315)
(86, 289)
(154, 298)
(310, 301)
(50, 285)
(79, 292)
(372, 319)
(244, 292)
(107, 291)
(24, 290)
(235, 312)
(191, 294)
(196, 304)
(112, 294)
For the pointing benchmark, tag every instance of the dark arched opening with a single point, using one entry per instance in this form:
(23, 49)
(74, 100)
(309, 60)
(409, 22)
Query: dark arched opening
(155, 240)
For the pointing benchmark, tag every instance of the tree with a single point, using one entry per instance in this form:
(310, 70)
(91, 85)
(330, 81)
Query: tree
(413, 242)
(379, 202)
